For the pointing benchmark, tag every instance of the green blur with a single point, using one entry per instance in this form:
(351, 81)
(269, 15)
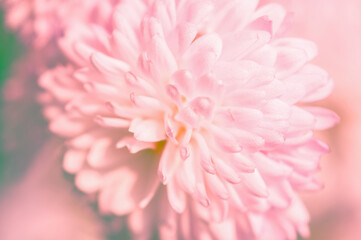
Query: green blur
(10, 49)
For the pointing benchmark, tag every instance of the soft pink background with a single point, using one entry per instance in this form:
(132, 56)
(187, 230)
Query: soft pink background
(335, 25)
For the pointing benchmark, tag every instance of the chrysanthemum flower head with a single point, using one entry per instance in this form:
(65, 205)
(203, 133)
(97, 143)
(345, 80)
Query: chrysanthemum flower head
(200, 103)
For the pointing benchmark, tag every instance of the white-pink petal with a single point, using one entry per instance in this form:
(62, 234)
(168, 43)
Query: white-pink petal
(147, 130)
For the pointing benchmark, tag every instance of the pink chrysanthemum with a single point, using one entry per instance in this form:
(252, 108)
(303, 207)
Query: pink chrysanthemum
(192, 113)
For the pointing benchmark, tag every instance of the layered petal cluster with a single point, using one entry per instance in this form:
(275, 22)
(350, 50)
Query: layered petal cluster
(193, 113)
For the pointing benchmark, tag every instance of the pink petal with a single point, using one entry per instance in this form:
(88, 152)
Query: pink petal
(108, 65)
(217, 186)
(134, 145)
(238, 44)
(293, 54)
(275, 13)
(147, 130)
(98, 154)
(67, 126)
(168, 163)
(88, 181)
(226, 171)
(74, 160)
(202, 54)
(324, 117)
(112, 122)
(255, 184)
(118, 195)
(176, 196)
(183, 80)
(204, 154)
(160, 55)
(225, 140)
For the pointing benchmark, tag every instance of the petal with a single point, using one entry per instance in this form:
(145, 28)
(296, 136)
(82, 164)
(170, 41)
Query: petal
(218, 210)
(324, 117)
(99, 154)
(168, 220)
(224, 140)
(277, 110)
(85, 140)
(140, 223)
(239, 117)
(74, 160)
(202, 106)
(208, 86)
(184, 82)
(124, 49)
(293, 53)
(202, 54)
(147, 130)
(162, 58)
(185, 175)
(241, 162)
(188, 116)
(88, 181)
(108, 65)
(233, 15)
(134, 145)
(276, 13)
(67, 126)
(197, 11)
(248, 140)
(112, 122)
(176, 196)
(165, 12)
(118, 195)
(317, 83)
(168, 163)
(150, 104)
(183, 36)
(204, 154)
(226, 171)
(237, 45)
(216, 186)
(301, 120)
(271, 167)
(255, 184)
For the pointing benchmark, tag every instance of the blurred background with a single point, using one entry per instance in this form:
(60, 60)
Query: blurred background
(334, 25)
(9, 51)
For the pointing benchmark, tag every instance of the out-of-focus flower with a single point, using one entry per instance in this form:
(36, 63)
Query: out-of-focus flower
(23, 125)
(42, 21)
(202, 94)
(43, 206)
(19, 96)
